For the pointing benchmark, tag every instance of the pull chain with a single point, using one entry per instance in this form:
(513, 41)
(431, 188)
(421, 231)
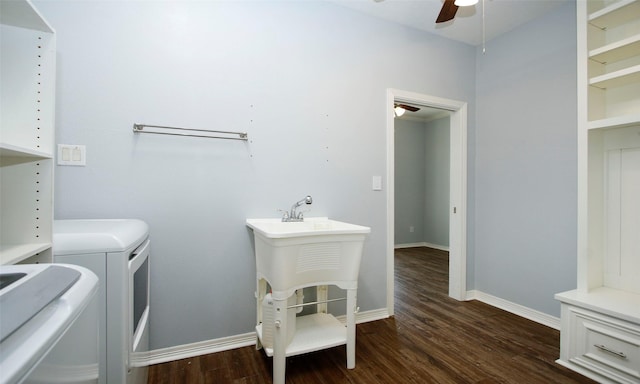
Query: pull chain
(484, 48)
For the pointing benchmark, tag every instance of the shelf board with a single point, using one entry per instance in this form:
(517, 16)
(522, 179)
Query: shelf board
(615, 122)
(21, 13)
(619, 12)
(614, 79)
(15, 253)
(617, 51)
(313, 333)
(9, 150)
(613, 302)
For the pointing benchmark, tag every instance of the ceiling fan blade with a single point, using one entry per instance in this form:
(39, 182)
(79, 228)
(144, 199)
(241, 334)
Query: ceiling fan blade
(410, 108)
(447, 12)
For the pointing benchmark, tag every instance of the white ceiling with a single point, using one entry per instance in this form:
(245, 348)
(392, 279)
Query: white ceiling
(500, 15)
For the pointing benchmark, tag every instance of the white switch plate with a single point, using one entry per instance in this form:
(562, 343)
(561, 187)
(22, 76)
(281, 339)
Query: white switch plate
(377, 183)
(69, 154)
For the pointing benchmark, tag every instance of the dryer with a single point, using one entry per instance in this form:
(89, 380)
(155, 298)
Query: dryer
(117, 251)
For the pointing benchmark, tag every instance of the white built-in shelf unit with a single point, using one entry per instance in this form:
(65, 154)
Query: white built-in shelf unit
(27, 103)
(600, 324)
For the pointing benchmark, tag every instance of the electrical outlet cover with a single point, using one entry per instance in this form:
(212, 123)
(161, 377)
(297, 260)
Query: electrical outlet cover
(69, 154)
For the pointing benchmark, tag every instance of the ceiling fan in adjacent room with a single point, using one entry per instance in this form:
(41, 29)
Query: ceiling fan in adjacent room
(450, 7)
(400, 109)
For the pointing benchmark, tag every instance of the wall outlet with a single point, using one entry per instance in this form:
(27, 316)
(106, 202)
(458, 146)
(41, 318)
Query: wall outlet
(72, 155)
(411, 229)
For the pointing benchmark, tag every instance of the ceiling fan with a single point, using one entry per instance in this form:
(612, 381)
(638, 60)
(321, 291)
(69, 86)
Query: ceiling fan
(399, 109)
(450, 7)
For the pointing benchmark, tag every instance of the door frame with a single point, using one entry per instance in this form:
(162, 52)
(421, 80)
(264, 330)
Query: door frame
(457, 189)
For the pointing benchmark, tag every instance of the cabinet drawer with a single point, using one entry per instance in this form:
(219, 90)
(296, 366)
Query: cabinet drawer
(606, 345)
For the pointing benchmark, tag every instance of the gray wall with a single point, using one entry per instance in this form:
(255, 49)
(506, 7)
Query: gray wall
(409, 175)
(422, 182)
(437, 158)
(306, 80)
(525, 166)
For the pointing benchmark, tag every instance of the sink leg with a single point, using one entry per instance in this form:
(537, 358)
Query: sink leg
(261, 289)
(279, 341)
(322, 294)
(351, 328)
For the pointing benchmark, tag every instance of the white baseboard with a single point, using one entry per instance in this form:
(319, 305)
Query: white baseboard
(422, 244)
(185, 351)
(516, 309)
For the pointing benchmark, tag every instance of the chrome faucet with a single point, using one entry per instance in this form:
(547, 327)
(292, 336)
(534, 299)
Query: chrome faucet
(293, 215)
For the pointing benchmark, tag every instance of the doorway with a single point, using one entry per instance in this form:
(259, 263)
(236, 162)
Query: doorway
(457, 188)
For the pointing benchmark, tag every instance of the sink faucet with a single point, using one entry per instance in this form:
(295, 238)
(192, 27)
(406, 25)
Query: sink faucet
(293, 215)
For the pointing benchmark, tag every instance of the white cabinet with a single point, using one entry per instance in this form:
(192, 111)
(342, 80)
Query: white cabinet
(603, 345)
(27, 93)
(600, 328)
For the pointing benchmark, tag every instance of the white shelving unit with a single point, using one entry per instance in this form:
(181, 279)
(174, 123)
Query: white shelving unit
(27, 103)
(600, 327)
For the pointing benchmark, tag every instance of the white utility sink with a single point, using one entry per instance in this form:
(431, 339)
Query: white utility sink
(293, 255)
(312, 226)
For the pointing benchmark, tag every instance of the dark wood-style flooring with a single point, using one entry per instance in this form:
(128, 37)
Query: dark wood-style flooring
(431, 339)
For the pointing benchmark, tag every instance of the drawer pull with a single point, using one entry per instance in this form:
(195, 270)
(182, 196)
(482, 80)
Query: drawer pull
(611, 351)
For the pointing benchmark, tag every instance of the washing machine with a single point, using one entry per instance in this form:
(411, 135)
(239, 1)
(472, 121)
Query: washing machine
(48, 324)
(118, 252)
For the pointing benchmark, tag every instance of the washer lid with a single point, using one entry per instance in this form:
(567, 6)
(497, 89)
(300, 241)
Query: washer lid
(27, 345)
(94, 236)
(29, 297)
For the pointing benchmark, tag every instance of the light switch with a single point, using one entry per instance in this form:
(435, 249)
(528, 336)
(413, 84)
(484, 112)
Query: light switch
(69, 154)
(76, 154)
(66, 155)
(377, 183)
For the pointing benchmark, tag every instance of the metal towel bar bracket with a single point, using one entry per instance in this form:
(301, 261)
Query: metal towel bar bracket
(175, 131)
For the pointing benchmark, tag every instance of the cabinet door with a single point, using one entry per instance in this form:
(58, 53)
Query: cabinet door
(622, 202)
